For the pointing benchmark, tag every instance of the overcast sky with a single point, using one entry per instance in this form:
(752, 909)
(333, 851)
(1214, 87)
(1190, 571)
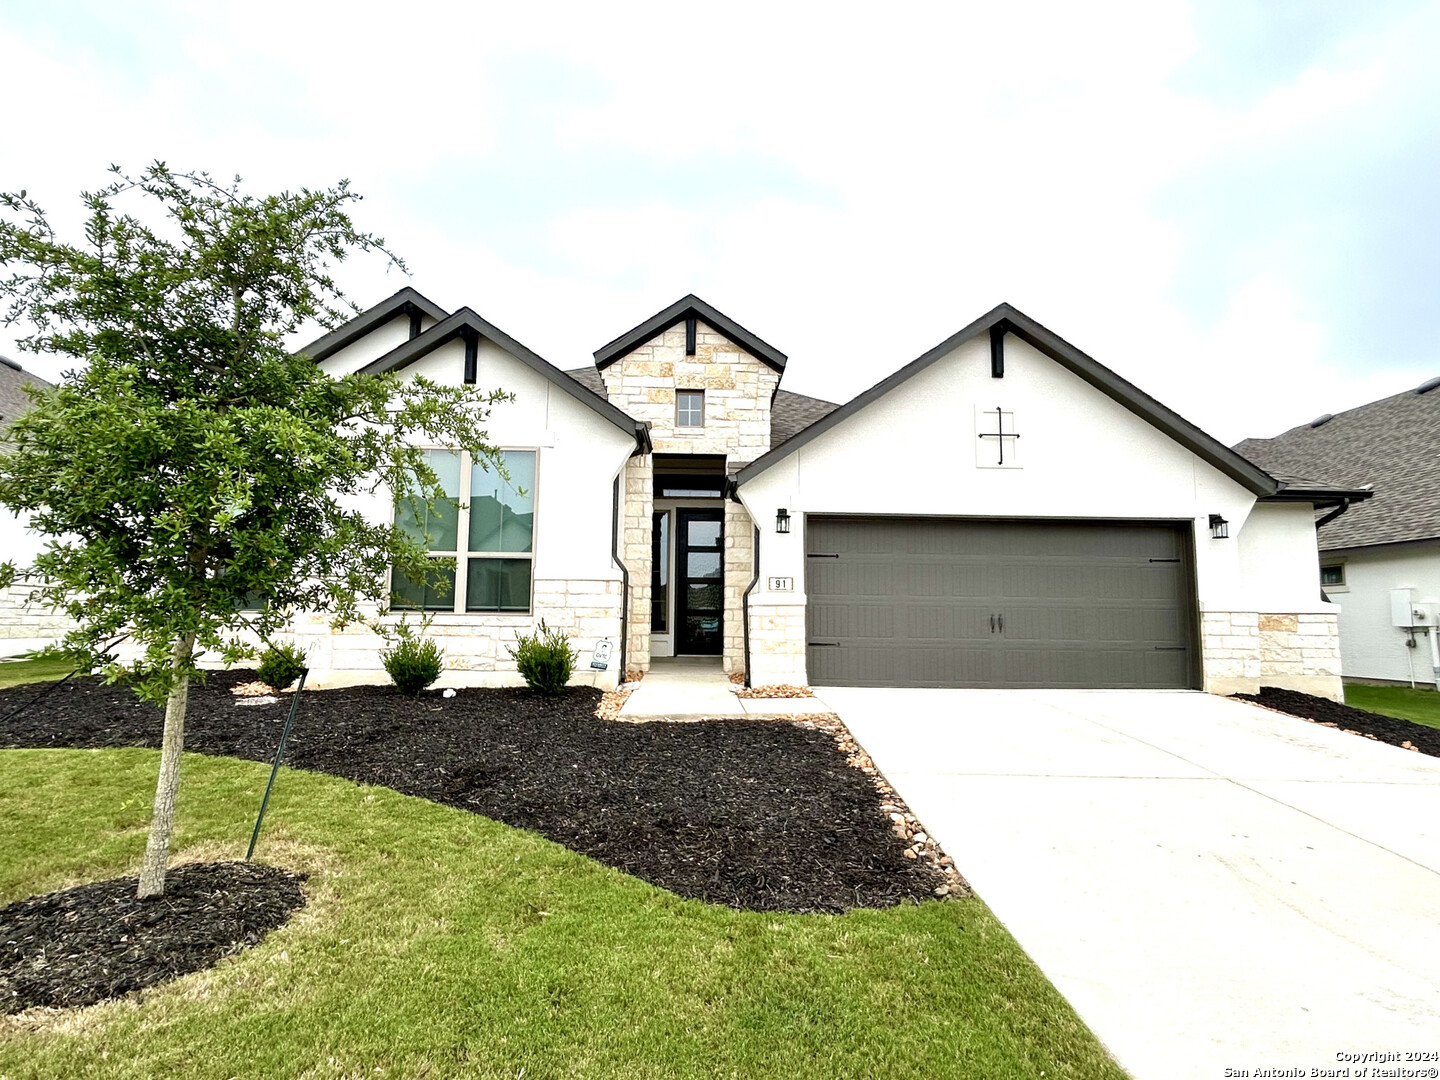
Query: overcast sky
(1232, 204)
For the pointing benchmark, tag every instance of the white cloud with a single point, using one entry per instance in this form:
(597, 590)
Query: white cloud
(928, 164)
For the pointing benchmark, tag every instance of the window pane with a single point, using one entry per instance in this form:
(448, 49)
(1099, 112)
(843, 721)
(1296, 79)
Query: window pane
(498, 585)
(702, 564)
(703, 534)
(502, 519)
(700, 597)
(414, 595)
(660, 573)
(441, 520)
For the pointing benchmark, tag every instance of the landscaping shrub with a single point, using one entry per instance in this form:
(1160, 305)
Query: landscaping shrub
(413, 662)
(281, 665)
(545, 659)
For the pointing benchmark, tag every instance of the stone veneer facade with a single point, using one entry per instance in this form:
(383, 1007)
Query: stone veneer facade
(1244, 650)
(738, 391)
(475, 645)
(25, 626)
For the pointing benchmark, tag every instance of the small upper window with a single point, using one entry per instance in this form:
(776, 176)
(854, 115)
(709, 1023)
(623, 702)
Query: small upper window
(1332, 575)
(690, 408)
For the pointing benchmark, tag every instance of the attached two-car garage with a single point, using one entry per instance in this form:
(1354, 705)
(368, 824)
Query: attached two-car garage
(985, 603)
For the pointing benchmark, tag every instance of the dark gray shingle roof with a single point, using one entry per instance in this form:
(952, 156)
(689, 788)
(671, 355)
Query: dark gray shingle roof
(789, 413)
(1392, 444)
(13, 399)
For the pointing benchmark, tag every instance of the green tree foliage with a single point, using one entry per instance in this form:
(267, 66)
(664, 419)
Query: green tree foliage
(190, 462)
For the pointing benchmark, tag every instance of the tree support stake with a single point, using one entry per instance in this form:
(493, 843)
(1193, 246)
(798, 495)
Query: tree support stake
(275, 768)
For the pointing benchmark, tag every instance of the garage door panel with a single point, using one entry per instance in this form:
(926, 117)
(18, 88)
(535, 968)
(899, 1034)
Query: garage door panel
(915, 602)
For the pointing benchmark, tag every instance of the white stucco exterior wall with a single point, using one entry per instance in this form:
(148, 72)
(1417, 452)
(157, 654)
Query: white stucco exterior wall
(1080, 455)
(576, 584)
(1371, 646)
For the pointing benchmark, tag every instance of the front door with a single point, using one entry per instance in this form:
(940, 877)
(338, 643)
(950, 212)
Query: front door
(700, 573)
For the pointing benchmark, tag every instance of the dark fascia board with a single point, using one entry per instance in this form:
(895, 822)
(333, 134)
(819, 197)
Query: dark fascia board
(402, 303)
(466, 322)
(1206, 447)
(1321, 497)
(681, 309)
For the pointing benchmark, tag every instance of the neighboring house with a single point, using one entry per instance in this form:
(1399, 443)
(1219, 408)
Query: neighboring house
(22, 627)
(1004, 511)
(1391, 542)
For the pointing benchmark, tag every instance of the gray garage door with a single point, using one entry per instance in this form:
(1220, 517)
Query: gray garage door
(945, 602)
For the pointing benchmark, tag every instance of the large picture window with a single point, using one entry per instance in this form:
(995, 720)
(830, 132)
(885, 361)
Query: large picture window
(491, 537)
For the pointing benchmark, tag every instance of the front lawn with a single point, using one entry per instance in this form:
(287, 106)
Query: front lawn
(1421, 706)
(18, 672)
(437, 942)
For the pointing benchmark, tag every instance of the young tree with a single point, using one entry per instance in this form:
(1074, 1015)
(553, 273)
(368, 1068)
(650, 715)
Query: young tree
(191, 461)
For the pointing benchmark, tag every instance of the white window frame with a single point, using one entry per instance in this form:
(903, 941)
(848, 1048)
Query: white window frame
(1342, 584)
(462, 531)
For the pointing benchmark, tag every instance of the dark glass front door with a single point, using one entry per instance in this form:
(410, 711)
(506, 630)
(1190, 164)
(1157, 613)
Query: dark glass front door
(700, 573)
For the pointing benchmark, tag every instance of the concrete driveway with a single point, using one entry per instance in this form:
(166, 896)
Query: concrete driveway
(1210, 884)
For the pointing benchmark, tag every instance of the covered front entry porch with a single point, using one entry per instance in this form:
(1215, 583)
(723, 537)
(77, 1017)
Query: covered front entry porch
(689, 578)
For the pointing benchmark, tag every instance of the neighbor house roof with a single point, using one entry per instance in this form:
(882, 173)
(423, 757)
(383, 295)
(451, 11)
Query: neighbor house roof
(789, 413)
(1006, 319)
(1393, 445)
(13, 399)
(467, 324)
(683, 309)
(405, 302)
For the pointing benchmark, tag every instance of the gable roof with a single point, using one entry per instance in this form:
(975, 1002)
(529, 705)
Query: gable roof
(1392, 444)
(405, 302)
(789, 413)
(465, 323)
(13, 400)
(683, 309)
(1011, 320)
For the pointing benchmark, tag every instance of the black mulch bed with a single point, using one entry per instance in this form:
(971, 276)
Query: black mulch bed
(753, 814)
(1387, 729)
(96, 941)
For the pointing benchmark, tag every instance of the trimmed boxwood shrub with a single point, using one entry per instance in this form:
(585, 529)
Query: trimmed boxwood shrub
(281, 665)
(413, 662)
(546, 659)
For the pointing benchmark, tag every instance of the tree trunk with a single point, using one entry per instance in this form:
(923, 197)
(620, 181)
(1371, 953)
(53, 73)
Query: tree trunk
(162, 818)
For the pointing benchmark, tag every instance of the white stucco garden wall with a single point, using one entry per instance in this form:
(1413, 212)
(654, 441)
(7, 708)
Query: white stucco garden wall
(1080, 455)
(1371, 646)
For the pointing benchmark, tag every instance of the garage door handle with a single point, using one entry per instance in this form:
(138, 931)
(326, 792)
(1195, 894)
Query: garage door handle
(1171, 648)
(819, 555)
(823, 644)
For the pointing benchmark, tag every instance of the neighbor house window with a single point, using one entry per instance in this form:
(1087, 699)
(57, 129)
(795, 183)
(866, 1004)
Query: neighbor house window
(1332, 575)
(690, 408)
(491, 538)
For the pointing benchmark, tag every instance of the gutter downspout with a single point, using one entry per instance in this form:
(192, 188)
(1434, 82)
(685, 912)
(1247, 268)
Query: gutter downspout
(745, 603)
(624, 582)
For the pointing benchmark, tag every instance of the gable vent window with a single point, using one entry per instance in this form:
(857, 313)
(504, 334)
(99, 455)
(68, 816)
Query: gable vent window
(690, 408)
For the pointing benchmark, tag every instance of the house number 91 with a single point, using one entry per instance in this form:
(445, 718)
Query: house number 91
(782, 584)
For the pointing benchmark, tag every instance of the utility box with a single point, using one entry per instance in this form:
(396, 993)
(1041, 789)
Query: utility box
(1402, 609)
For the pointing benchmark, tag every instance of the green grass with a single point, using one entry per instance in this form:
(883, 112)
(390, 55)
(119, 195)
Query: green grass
(27, 671)
(1421, 706)
(441, 944)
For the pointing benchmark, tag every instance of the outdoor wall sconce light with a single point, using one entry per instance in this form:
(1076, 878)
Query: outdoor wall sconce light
(1219, 527)
(782, 520)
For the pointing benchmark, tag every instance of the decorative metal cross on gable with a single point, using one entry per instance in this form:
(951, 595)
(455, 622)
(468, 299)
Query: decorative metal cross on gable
(1000, 434)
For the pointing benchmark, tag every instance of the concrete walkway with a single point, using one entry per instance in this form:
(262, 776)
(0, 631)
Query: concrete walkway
(1210, 884)
(691, 687)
